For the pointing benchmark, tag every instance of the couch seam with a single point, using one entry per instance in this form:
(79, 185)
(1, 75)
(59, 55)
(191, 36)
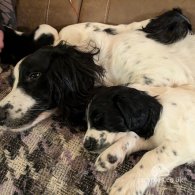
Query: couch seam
(78, 19)
(47, 12)
(107, 11)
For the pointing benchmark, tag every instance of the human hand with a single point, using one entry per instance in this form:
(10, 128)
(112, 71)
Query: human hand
(1, 40)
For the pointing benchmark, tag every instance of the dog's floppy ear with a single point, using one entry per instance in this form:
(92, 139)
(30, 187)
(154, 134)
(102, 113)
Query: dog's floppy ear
(139, 111)
(71, 75)
(169, 27)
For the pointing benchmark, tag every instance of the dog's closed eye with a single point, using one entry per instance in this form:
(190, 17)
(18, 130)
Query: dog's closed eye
(97, 117)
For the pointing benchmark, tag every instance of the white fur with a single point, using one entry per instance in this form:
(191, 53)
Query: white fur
(46, 29)
(18, 32)
(171, 145)
(130, 56)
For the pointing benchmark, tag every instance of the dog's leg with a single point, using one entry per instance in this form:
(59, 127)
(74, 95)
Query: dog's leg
(115, 154)
(80, 34)
(153, 165)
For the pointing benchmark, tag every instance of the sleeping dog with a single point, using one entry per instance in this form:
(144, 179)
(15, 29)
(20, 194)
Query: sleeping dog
(153, 52)
(122, 120)
(20, 44)
(129, 53)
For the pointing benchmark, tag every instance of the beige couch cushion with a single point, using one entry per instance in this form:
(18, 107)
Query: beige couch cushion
(60, 13)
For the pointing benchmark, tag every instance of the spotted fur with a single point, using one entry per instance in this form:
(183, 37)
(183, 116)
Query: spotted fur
(170, 145)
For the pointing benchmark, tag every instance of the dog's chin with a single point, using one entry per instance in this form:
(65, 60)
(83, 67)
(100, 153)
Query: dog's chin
(44, 115)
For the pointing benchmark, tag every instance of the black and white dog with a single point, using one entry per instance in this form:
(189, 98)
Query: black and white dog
(18, 44)
(63, 76)
(122, 120)
(53, 77)
(129, 53)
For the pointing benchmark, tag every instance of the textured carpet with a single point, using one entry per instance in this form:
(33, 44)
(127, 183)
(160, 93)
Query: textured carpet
(49, 160)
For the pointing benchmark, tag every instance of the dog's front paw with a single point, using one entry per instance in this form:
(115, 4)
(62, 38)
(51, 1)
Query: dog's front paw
(109, 159)
(128, 184)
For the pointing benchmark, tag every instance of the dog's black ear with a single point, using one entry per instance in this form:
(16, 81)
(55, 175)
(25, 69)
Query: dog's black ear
(72, 75)
(169, 27)
(139, 110)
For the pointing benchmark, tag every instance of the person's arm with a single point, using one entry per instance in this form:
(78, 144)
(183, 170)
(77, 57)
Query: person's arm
(1, 40)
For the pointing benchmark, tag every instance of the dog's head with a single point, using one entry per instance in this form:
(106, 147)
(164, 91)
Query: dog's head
(20, 44)
(59, 76)
(114, 111)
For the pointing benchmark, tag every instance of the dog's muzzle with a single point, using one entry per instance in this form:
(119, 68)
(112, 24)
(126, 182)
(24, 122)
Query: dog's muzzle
(90, 144)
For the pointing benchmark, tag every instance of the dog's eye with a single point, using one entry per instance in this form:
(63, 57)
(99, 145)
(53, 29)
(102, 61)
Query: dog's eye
(97, 117)
(33, 76)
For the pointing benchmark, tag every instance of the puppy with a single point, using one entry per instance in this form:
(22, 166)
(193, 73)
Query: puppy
(122, 120)
(20, 44)
(52, 77)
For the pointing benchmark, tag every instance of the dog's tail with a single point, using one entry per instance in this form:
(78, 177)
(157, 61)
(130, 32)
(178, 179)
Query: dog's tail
(169, 27)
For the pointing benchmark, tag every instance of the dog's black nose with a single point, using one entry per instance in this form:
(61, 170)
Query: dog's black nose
(90, 144)
(3, 115)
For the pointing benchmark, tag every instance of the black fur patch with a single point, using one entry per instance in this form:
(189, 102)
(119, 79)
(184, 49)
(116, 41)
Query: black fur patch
(18, 46)
(8, 106)
(174, 152)
(90, 144)
(147, 80)
(121, 109)
(112, 159)
(169, 27)
(110, 31)
(119, 189)
(19, 110)
(141, 166)
(96, 29)
(87, 25)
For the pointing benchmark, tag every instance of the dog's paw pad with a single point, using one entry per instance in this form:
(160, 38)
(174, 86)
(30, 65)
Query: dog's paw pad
(106, 162)
(112, 158)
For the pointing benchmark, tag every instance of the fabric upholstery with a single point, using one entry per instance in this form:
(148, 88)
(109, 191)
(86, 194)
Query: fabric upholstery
(60, 13)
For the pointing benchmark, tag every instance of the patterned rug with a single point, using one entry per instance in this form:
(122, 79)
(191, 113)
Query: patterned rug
(49, 159)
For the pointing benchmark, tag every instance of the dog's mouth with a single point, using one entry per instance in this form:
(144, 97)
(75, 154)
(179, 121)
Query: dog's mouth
(29, 121)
